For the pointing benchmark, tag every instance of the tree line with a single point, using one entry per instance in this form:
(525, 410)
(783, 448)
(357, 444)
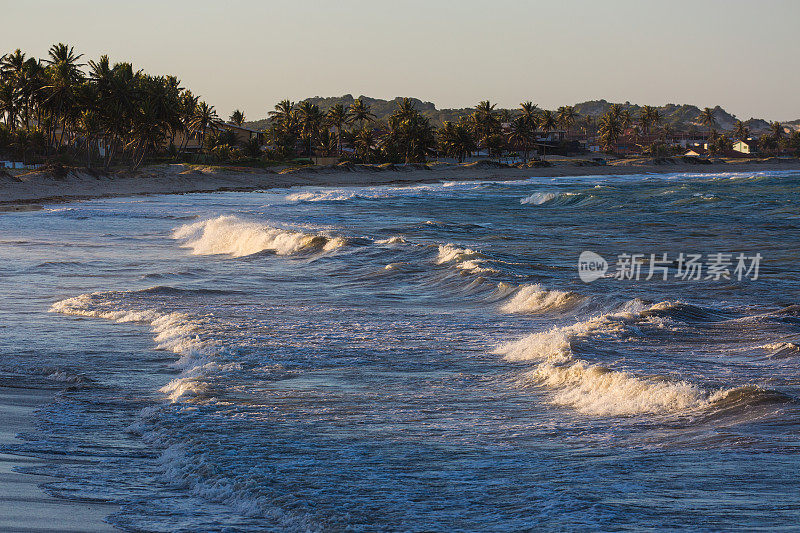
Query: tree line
(111, 114)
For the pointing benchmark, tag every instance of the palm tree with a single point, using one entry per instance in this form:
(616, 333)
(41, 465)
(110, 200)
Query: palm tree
(610, 129)
(310, 119)
(625, 119)
(364, 141)
(337, 117)
(63, 72)
(521, 136)
(8, 103)
(12, 68)
(457, 140)
(566, 117)
(529, 113)
(410, 134)
(485, 122)
(237, 117)
(205, 119)
(707, 119)
(187, 105)
(547, 123)
(646, 118)
(361, 113)
(741, 131)
(283, 115)
(776, 131)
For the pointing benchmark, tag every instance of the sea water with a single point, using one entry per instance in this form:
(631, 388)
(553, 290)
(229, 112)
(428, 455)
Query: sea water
(414, 357)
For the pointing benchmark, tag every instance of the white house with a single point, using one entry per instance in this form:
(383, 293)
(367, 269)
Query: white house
(749, 146)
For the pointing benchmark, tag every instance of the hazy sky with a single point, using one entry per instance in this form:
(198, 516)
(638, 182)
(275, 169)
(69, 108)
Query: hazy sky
(741, 54)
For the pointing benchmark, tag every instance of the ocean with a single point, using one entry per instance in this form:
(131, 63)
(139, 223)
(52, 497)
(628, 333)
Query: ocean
(417, 358)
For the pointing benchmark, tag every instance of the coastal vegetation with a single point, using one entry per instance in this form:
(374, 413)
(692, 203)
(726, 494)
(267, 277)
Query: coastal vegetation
(69, 110)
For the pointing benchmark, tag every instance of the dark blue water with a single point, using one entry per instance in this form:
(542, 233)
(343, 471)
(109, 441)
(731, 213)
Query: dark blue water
(415, 358)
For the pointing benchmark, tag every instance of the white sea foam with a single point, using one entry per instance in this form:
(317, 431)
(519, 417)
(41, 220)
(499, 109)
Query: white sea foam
(397, 239)
(238, 238)
(451, 252)
(463, 259)
(474, 266)
(537, 299)
(594, 389)
(175, 332)
(780, 350)
(335, 195)
(555, 344)
(539, 198)
(598, 391)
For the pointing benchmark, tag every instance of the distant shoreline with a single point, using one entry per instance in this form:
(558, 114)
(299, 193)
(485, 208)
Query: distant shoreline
(18, 192)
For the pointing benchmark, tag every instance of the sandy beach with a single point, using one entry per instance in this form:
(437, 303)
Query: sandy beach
(17, 190)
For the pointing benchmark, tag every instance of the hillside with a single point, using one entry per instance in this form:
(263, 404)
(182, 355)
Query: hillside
(681, 117)
(381, 108)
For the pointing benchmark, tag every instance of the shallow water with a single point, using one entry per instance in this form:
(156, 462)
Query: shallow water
(416, 358)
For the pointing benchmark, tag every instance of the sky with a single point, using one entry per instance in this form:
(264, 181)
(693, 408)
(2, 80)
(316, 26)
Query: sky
(248, 54)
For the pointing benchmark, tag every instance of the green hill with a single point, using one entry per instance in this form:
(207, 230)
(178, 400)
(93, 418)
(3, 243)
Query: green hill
(681, 117)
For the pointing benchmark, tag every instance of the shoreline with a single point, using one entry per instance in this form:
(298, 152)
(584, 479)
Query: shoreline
(19, 192)
(25, 505)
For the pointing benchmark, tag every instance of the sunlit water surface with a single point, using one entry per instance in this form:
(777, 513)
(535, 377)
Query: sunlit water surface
(413, 358)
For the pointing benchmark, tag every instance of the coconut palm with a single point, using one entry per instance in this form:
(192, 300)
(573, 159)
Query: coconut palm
(361, 113)
(310, 120)
(364, 141)
(566, 117)
(9, 100)
(283, 115)
(547, 123)
(646, 118)
(707, 119)
(485, 121)
(205, 120)
(776, 132)
(610, 129)
(740, 131)
(529, 112)
(410, 134)
(457, 140)
(237, 117)
(337, 117)
(521, 136)
(625, 119)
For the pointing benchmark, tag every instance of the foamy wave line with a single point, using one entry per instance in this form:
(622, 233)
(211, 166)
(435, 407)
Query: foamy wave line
(597, 390)
(175, 332)
(322, 196)
(235, 237)
(396, 239)
(539, 198)
(537, 299)
(463, 259)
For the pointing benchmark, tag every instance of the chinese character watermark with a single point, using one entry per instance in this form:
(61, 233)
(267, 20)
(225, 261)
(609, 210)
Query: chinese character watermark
(685, 266)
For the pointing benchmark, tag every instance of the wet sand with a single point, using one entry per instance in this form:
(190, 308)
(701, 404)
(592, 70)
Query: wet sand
(24, 505)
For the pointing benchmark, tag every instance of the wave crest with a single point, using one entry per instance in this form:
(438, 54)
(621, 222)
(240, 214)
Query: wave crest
(537, 299)
(595, 389)
(232, 236)
(175, 332)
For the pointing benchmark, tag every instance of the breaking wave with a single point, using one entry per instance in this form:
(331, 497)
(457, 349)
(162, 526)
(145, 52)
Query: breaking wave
(537, 299)
(597, 390)
(539, 198)
(781, 350)
(175, 332)
(558, 198)
(397, 239)
(232, 236)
